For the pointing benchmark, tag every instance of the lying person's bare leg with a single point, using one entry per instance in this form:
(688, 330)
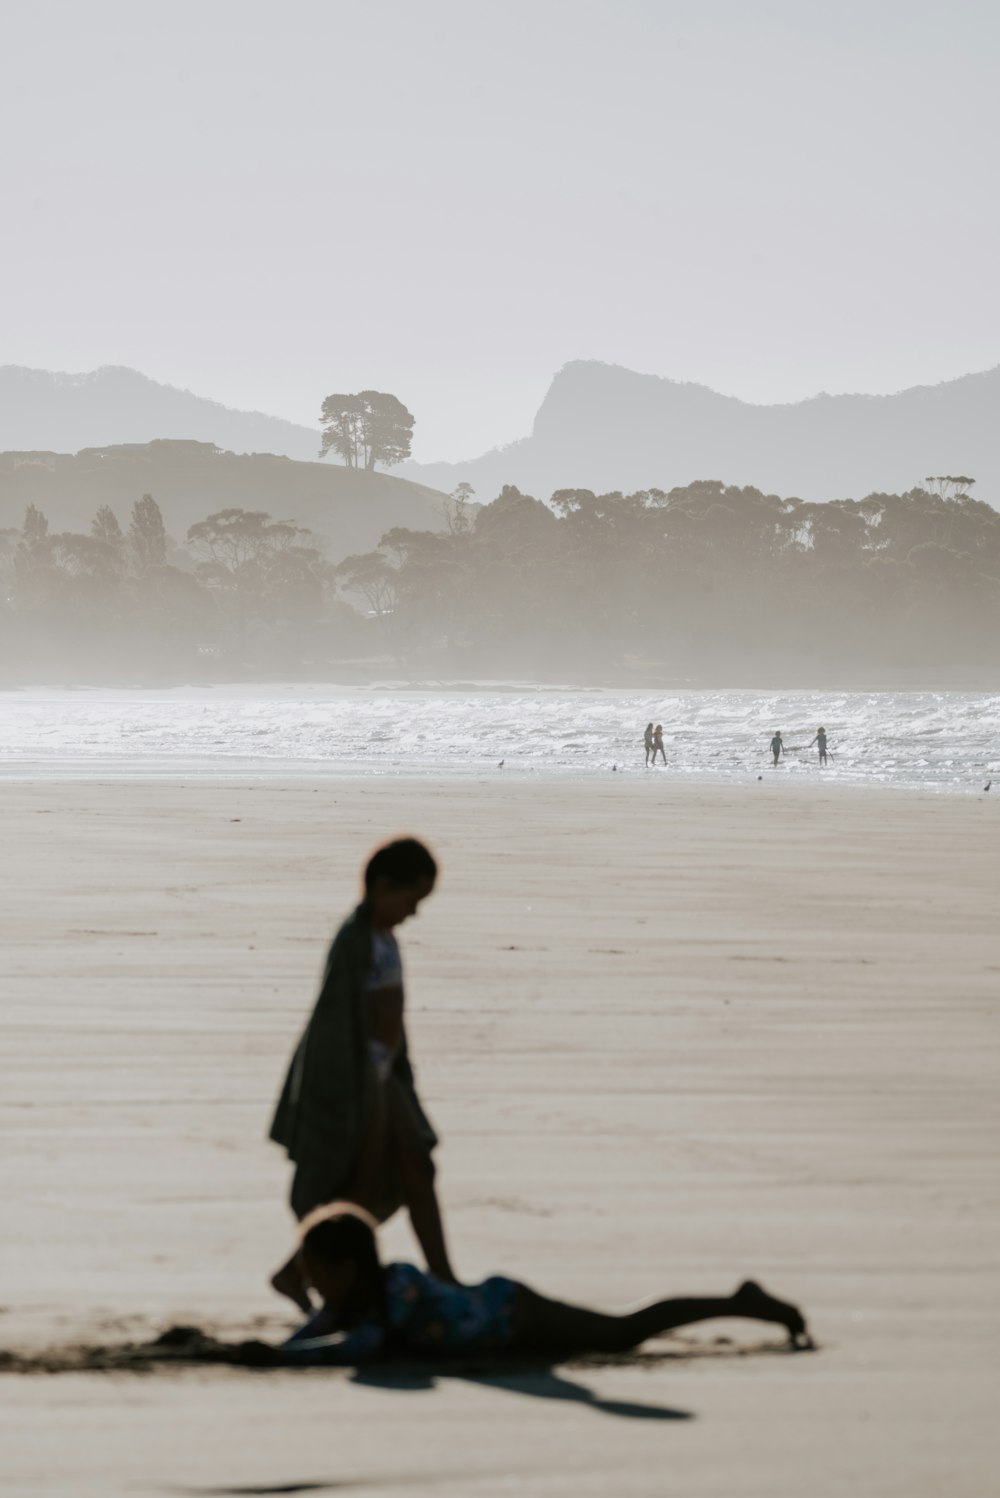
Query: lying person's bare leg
(542, 1325)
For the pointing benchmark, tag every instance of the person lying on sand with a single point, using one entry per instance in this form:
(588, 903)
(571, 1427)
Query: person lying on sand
(371, 1310)
(349, 1116)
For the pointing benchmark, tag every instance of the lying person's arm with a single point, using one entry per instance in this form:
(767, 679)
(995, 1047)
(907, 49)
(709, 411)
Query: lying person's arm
(341, 1350)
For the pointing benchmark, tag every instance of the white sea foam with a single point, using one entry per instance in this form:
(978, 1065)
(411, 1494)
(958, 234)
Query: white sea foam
(944, 740)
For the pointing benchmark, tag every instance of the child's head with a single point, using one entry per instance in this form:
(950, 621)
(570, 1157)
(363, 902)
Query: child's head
(398, 876)
(338, 1255)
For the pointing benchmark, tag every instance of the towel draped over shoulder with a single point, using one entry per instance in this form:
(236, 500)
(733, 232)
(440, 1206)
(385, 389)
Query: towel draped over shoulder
(323, 1105)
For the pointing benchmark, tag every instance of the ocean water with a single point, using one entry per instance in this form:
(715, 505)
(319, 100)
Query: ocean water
(948, 741)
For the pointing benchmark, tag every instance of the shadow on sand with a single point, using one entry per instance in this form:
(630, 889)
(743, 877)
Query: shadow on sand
(536, 1380)
(533, 1377)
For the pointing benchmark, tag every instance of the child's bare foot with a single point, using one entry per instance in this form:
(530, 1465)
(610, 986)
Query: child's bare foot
(753, 1301)
(289, 1282)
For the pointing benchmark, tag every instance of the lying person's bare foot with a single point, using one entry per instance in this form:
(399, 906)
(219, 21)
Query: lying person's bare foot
(289, 1282)
(751, 1300)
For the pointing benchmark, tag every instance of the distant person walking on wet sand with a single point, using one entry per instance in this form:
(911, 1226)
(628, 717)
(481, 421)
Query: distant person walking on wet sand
(777, 747)
(349, 1116)
(820, 741)
(658, 743)
(647, 739)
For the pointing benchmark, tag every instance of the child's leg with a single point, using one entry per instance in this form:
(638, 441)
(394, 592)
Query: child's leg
(367, 1175)
(416, 1174)
(549, 1326)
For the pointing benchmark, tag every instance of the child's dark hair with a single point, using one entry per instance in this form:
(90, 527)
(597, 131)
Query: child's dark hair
(402, 863)
(343, 1233)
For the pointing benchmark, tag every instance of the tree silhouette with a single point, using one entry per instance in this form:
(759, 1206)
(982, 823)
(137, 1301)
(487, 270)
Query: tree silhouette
(372, 578)
(949, 485)
(36, 574)
(340, 417)
(147, 537)
(457, 515)
(105, 527)
(368, 428)
(35, 528)
(238, 546)
(261, 567)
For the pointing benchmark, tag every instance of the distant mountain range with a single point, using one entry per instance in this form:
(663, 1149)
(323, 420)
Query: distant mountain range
(599, 427)
(62, 413)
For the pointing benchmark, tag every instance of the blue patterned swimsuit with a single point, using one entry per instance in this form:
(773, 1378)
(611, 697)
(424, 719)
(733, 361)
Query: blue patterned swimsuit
(423, 1315)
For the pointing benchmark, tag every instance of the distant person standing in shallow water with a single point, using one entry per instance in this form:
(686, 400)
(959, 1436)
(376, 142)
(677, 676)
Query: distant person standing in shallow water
(658, 743)
(820, 742)
(647, 739)
(777, 747)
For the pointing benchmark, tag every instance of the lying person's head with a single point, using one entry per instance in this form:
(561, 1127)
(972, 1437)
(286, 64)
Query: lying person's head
(398, 876)
(338, 1257)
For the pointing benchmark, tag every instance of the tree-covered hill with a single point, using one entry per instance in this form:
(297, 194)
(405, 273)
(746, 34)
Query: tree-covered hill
(347, 509)
(707, 583)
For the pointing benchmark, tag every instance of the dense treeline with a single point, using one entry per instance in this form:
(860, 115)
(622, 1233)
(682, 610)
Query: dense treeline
(705, 581)
(244, 591)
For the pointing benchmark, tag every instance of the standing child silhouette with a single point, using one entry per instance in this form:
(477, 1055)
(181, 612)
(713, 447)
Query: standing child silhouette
(349, 1116)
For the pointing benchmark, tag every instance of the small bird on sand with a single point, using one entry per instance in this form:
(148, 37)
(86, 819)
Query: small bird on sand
(614, 767)
(501, 764)
(987, 785)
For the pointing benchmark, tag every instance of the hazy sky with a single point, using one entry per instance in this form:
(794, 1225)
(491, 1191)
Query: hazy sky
(265, 202)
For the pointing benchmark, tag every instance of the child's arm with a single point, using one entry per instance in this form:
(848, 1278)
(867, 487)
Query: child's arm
(384, 1003)
(385, 1031)
(385, 1027)
(384, 1034)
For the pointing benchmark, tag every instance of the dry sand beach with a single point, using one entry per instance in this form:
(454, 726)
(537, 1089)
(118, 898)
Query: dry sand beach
(671, 1035)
